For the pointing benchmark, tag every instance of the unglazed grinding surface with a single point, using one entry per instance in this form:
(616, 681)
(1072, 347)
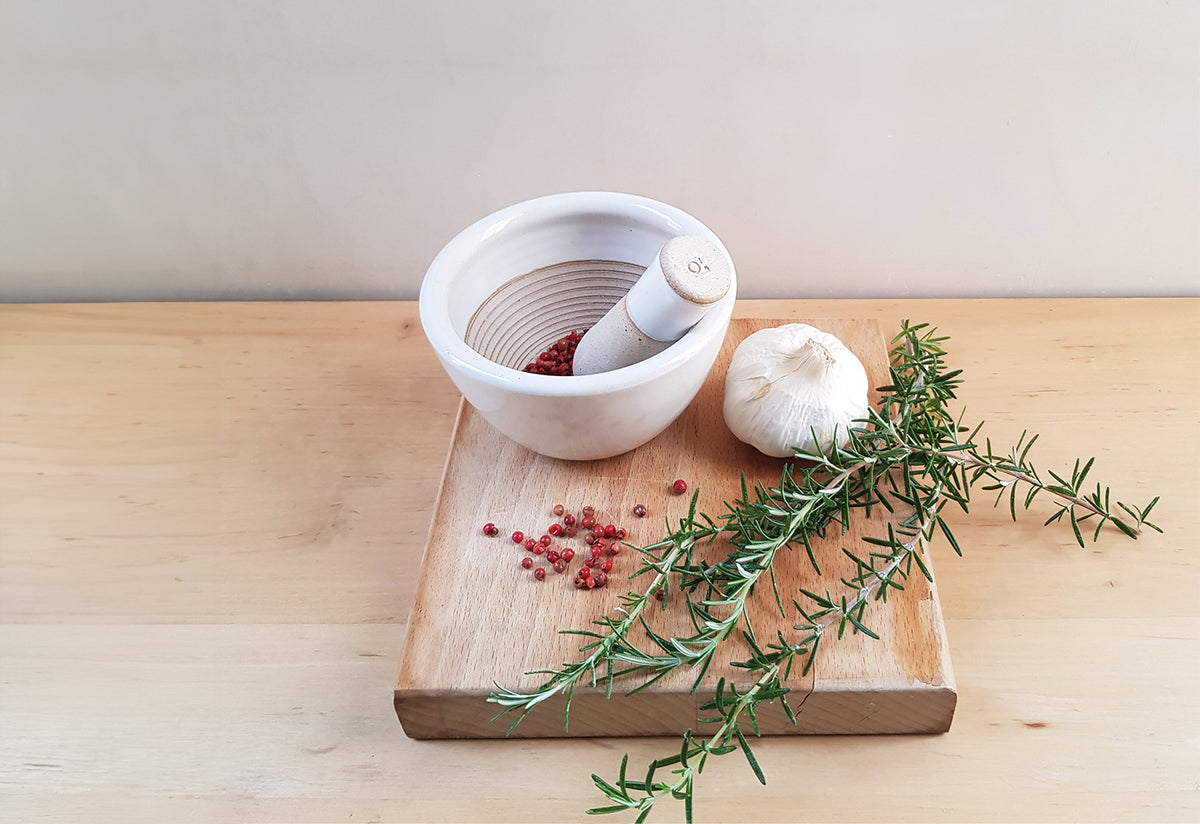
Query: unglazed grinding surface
(531, 311)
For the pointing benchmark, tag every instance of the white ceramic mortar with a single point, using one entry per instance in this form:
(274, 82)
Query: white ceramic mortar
(573, 417)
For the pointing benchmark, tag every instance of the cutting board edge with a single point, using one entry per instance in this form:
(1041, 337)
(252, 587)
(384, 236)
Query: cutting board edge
(919, 709)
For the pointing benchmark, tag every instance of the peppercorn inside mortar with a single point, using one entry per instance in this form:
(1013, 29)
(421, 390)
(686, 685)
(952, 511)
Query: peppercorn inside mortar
(558, 359)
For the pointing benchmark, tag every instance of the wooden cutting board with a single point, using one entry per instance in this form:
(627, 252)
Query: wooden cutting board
(479, 618)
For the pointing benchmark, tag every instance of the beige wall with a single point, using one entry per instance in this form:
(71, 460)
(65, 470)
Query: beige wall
(175, 150)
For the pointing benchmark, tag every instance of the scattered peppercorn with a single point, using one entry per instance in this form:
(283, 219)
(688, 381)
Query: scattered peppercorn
(601, 539)
(680, 486)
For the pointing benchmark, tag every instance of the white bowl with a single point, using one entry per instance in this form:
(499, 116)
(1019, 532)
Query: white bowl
(517, 280)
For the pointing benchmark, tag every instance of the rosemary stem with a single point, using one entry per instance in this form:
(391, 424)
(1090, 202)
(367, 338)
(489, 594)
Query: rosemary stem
(976, 462)
(836, 482)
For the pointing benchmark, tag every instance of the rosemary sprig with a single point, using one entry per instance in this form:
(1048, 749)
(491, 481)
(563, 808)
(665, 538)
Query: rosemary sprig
(911, 454)
(1007, 471)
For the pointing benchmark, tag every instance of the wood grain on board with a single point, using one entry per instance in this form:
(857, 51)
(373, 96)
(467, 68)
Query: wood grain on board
(480, 619)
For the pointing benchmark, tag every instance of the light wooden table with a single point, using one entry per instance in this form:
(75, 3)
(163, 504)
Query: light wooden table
(212, 516)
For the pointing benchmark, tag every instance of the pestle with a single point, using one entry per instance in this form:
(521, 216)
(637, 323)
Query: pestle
(688, 276)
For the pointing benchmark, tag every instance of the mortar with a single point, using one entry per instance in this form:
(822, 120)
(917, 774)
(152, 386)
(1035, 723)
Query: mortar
(512, 283)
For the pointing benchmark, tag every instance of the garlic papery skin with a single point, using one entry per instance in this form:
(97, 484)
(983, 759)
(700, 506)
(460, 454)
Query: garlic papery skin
(790, 382)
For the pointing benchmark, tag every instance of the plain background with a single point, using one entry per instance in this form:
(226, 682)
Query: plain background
(166, 149)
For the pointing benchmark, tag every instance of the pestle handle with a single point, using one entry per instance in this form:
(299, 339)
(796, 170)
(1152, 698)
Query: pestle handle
(687, 277)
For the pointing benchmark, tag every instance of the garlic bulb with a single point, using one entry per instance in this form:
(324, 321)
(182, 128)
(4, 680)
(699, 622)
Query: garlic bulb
(787, 383)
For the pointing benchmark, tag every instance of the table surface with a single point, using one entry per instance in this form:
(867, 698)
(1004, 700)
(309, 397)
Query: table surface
(212, 518)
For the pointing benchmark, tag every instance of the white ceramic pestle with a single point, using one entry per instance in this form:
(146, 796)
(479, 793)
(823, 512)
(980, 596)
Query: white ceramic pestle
(689, 275)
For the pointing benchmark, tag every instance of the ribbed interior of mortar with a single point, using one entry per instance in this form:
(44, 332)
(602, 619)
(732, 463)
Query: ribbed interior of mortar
(528, 313)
